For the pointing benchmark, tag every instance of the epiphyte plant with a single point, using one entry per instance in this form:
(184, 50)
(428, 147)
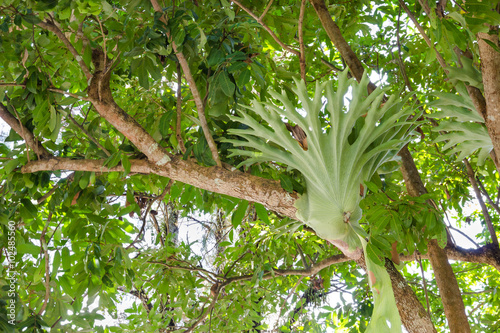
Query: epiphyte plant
(361, 135)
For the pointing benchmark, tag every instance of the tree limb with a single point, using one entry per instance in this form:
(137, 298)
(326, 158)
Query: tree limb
(194, 91)
(486, 214)
(302, 56)
(47, 25)
(424, 35)
(27, 136)
(219, 180)
(273, 35)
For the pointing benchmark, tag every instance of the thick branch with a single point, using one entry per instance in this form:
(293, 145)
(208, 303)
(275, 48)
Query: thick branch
(28, 137)
(490, 68)
(194, 91)
(52, 27)
(302, 56)
(445, 278)
(219, 180)
(334, 33)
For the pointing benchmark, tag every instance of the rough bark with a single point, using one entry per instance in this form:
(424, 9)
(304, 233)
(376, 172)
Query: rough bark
(406, 312)
(334, 33)
(446, 281)
(219, 180)
(28, 137)
(416, 320)
(490, 68)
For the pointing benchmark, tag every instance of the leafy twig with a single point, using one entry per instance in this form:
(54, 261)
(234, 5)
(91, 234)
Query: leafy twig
(273, 35)
(94, 140)
(194, 91)
(52, 27)
(43, 245)
(486, 214)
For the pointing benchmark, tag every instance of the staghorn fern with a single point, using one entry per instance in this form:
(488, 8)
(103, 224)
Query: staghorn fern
(466, 133)
(361, 137)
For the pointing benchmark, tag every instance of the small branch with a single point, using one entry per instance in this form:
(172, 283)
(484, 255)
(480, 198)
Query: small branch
(400, 60)
(52, 27)
(178, 135)
(493, 204)
(273, 35)
(204, 314)
(463, 234)
(331, 66)
(94, 140)
(59, 91)
(266, 10)
(194, 91)
(424, 283)
(28, 137)
(424, 35)
(487, 218)
(302, 56)
(52, 190)
(43, 245)
(103, 42)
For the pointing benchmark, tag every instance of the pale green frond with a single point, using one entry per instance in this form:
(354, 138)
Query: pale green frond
(466, 132)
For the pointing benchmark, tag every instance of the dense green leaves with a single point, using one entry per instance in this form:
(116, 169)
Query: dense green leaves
(128, 251)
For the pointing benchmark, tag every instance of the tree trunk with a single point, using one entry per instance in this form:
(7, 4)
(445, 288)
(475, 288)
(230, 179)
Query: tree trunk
(453, 304)
(490, 68)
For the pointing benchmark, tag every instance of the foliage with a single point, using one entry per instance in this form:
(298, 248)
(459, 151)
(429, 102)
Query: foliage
(118, 248)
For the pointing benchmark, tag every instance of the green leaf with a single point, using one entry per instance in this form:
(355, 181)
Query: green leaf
(239, 213)
(224, 82)
(126, 163)
(165, 122)
(262, 213)
(286, 182)
(243, 78)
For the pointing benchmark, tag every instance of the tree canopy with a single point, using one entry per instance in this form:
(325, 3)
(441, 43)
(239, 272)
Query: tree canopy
(249, 166)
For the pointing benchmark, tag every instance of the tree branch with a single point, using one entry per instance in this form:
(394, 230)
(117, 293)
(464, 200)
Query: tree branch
(94, 140)
(219, 180)
(335, 35)
(194, 91)
(27, 136)
(43, 247)
(485, 193)
(302, 56)
(52, 27)
(273, 35)
(266, 10)
(178, 135)
(486, 214)
(424, 35)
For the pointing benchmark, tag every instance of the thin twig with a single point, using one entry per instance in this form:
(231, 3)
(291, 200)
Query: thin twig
(103, 43)
(424, 35)
(52, 27)
(178, 135)
(302, 56)
(493, 204)
(273, 35)
(94, 140)
(194, 91)
(424, 283)
(486, 215)
(400, 60)
(43, 245)
(266, 10)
